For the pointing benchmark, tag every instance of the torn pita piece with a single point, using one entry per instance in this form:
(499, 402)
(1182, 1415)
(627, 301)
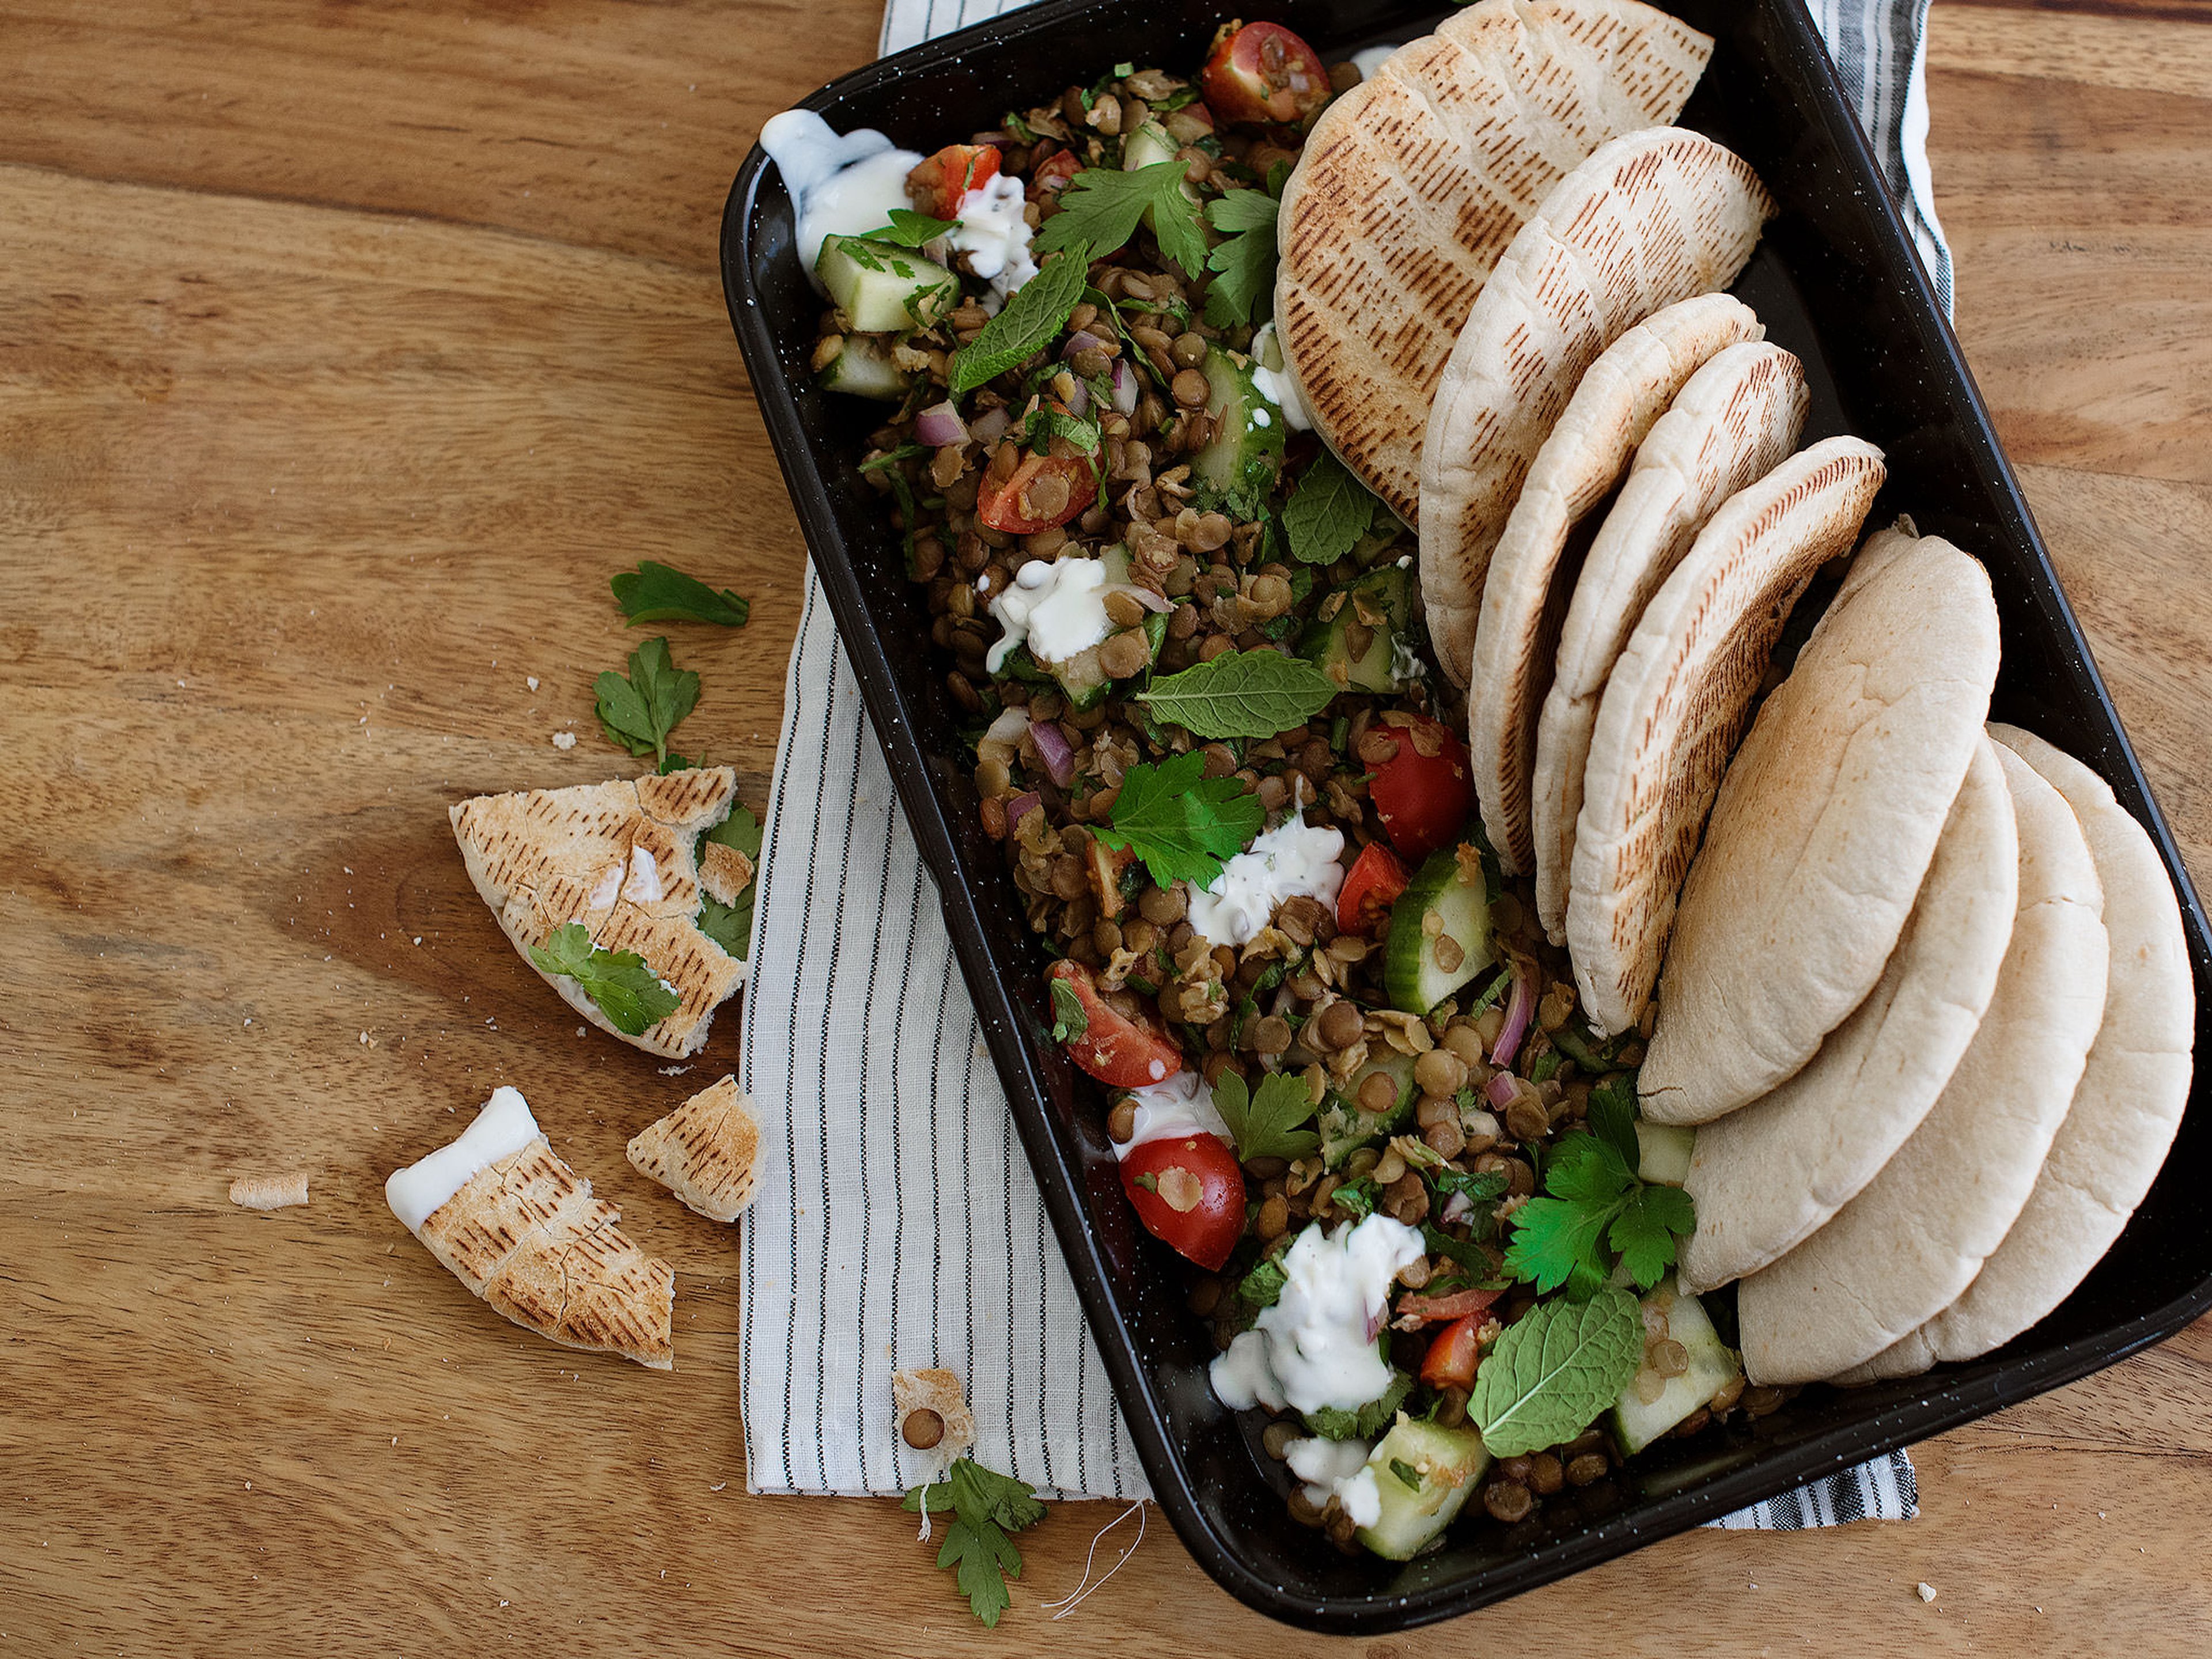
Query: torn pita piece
(934, 1420)
(705, 1151)
(269, 1191)
(624, 860)
(521, 1230)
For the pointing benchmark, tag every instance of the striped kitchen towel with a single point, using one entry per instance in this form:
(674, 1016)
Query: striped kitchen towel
(898, 1225)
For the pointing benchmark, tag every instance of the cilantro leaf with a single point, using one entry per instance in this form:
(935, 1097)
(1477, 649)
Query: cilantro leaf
(1242, 693)
(1184, 826)
(1101, 208)
(731, 926)
(1645, 1232)
(1595, 1199)
(1332, 1422)
(985, 1506)
(629, 994)
(655, 593)
(637, 714)
(1554, 1369)
(910, 230)
(1036, 313)
(1244, 263)
(741, 830)
(1612, 1117)
(1329, 512)
(1265, 1124)
(1069, 1017)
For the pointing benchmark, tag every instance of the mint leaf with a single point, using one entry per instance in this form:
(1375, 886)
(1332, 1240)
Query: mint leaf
(1266, 1124)
(1069, 1017)
(1243, 693)
(1184, 826)
(1244, 265)
(637, 714)
(1037, 312)
(985, 1506)
(629, 994)
(1554, 1371)
(1101, 208)
(1329, 512)
(655, 593)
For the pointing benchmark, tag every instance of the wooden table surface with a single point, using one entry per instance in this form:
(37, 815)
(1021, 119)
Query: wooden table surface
(345, 349)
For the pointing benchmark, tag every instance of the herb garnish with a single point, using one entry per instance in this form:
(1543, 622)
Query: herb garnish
(638, 714)
(1036, 313)
(1329, 1423)
(910, 230)
(1184, 826)
(1406, 1473)
(629, 994)
(1265, 1123)
(985, 1506)
(1554, 1369)
(1245, 263)
(1594, 1200)
(1101, 209)
(1329, 512)
(1243, 693)
(656, 592)
(1070, 1018)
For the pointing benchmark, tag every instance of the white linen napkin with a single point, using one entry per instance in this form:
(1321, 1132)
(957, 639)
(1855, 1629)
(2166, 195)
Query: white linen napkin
(898, 1223)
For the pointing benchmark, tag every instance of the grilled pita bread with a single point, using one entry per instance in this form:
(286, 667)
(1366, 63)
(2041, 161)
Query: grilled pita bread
(621, 858)
(523, 1233)
(1821, 833)
(1524, 595)
(1735, 422)
(706, 1152)
(1766, 1177)
(2126, 1107)
(1651, 218)
(1413, 183)
(1906, 1247)
(938, 1391)
(1676, 702)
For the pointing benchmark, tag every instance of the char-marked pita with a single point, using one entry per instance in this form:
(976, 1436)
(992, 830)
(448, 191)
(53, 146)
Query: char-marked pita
(1676, 703)
(522, 1231)
(622, 858)
(1823, 828)
(1525, 593)
(1906, 1248)
(2126, 1107)
(1735, 422)
(706, 1152)
(1413, 183)
(1765, 1177)
(1651, 218)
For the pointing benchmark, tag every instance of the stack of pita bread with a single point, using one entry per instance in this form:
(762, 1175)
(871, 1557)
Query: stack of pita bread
(1502, 301)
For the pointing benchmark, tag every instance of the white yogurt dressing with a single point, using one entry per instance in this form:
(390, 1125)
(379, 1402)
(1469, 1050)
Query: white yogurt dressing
(643, 886)
(995, 237)
(1338, 1469)
(843, 186)
(1057, 609)
(1182, 1105)
(1316, 1347)
(1289, 860)
(502, 1129)
(1272, 381)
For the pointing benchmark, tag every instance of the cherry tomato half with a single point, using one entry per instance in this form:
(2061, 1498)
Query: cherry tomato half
(945, 178)
(1374, 881)
(1044, 491)
(1423, 799)
(1455, 1353)
(1129, 1053)
(1189, 1191)
(1261, 72)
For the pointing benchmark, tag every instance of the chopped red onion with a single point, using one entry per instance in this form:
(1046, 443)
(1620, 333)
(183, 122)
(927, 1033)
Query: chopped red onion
(1078, 400)
(1457, 1208)
(1125, 387)
(1375, 1323)
(1499, 1090)
(1082, 342)
(991, 424)
(1151, 601)
(938, 425)
(1519, 1010)
(1019, 808)
(1054, 750)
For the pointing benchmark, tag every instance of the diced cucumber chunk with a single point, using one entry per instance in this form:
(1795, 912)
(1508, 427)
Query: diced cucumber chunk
(1147, 147)
(1636, 1421)
(1247, 446)
(1663, 1153)
(1346, 1126)
(1411, 974)
(883, 288)
(1386, 594)
(863, 366)
(1445, 1466)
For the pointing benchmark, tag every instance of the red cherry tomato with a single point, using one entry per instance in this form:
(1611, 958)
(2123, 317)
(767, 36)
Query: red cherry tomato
(1375, 879)
(1433, 1309)
(1026, 503)
(1050, 177)
(1261, 72)
(1189, 1191)
(1422, 799)
(1453, 1355)
(1129, 1053)
(947, 177)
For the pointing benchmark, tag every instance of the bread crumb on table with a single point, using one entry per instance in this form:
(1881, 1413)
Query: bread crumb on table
(564, 739)
(276, 1192)
(1926, 1592)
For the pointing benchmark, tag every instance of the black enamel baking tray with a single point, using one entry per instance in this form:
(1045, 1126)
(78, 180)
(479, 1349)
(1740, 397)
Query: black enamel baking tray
(1835, 280)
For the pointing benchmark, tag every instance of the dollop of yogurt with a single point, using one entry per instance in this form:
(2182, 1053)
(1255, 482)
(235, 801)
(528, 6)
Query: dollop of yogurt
(1057, 609)
(1338, 1469)
(1316, 1347)
(843, 186)
(1271, 377)
(995, 237)
(503, 1129)
(1182, 1105)
(1291, 860)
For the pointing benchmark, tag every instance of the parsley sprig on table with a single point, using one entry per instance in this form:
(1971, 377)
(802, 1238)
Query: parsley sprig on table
(1595, 1207)
(985, 1506)
(637, 714)
(1182, 823)
(658, 593)
(628, 992)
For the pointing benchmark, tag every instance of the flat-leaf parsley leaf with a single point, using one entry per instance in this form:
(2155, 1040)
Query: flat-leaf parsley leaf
(656, 592)
(1182, 823)
(1244, 263)
(629, 994)
(731, 926)
(985, 1506)
(1594, 1201)
(1070, 1018)
(1265, 1123)
(1101, 208)
(638, 714)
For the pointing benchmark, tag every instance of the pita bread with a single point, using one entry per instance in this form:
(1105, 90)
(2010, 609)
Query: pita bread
(620, 858)
(1906, 1247)
(1735, 422)
(1524, 595)
(1676, 702)
(1821, 833)
(1651, 218)
(1765, 1177)
(1413, 183)
(2125, 1110)
(706, 1152)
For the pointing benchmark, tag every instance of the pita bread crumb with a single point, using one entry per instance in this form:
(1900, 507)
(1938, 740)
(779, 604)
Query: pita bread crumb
(938, 1391)
(269, 1191)
(706, 1152)
(724, 872)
